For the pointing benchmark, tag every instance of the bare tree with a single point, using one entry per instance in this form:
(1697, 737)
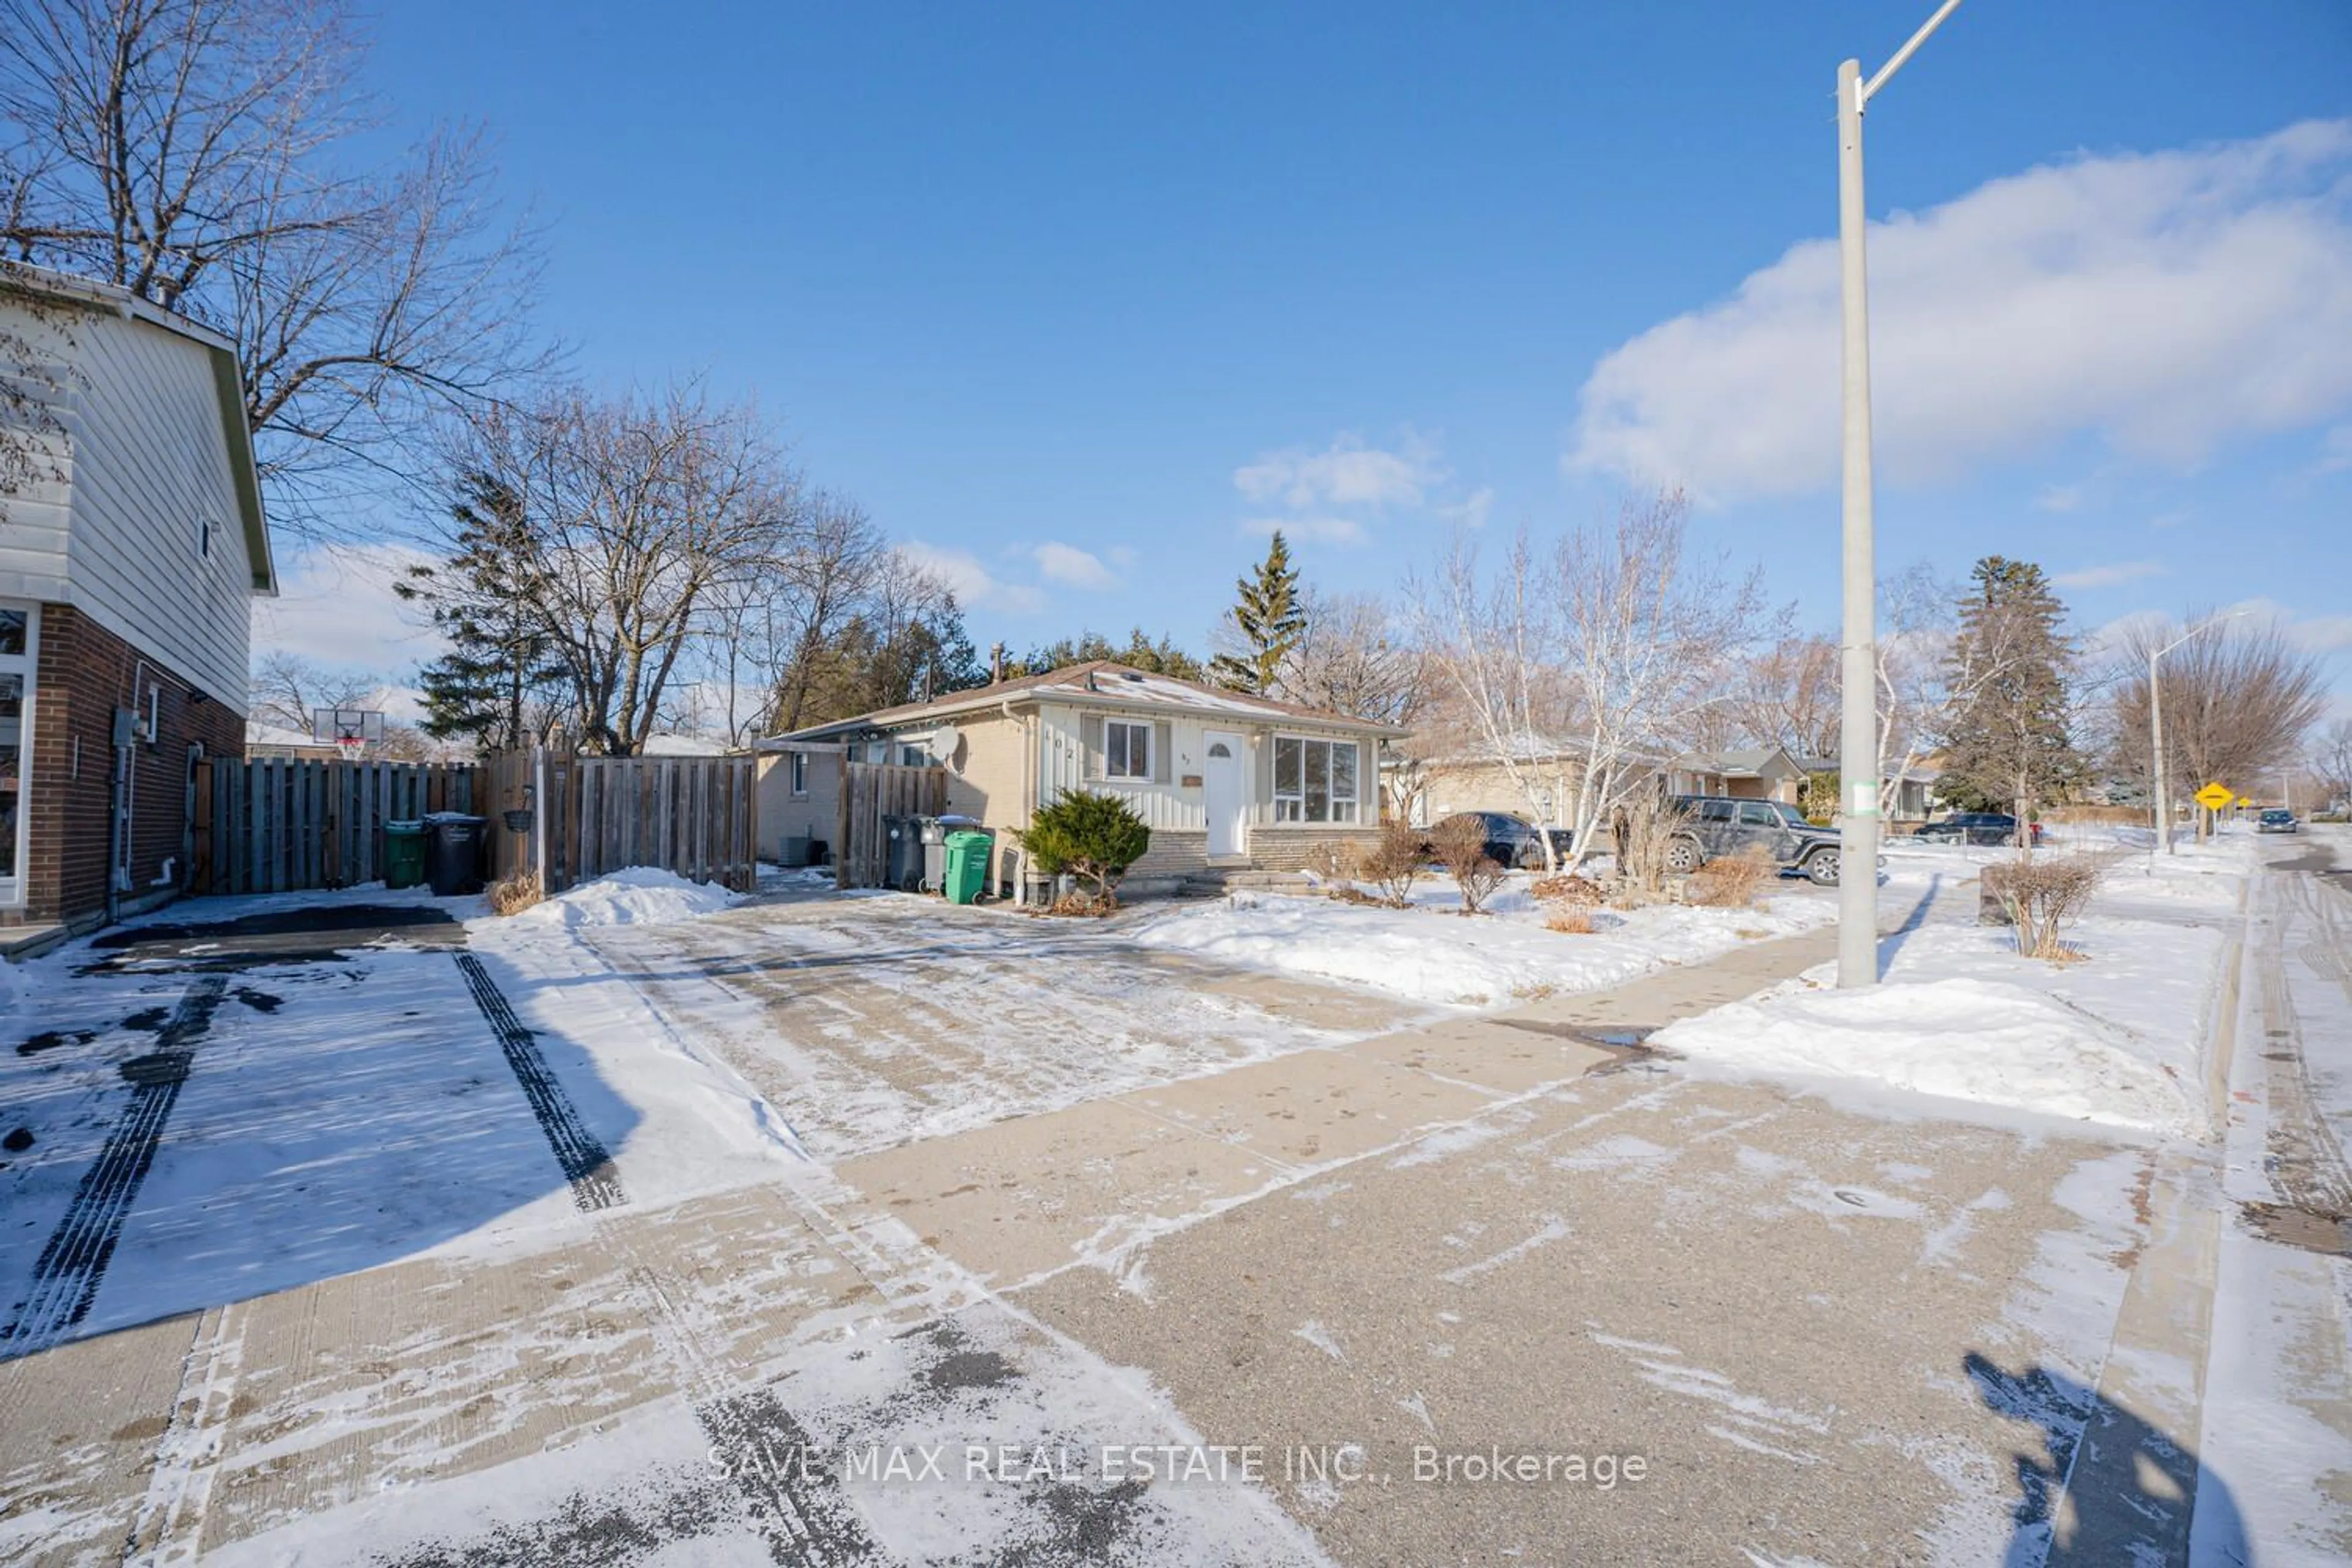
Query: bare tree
(1612, 649)
(640, 512)
(287, 687)
(2237, 701)
(197, 153)
(820, 585)
(1786, 696)
(1491, 644)
(2331, 760)
(1349, 659)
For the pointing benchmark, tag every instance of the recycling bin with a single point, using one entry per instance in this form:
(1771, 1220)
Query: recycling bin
(967, 863)
(935, 833)
(453, 853)
(404, 854)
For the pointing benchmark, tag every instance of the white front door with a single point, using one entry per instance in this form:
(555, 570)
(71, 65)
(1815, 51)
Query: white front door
(1222, 798)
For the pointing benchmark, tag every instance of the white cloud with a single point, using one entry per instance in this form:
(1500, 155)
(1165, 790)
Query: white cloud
(1325, 529)
(2059, 498)
(1347, 473)
(335, 607)
(1067, 563)
(2110, 576)
(1471, 511)
(975, 587)
(2165, 302)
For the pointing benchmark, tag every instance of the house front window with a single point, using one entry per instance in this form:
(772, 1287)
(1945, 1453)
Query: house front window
(1126, 750)
(1314, 781)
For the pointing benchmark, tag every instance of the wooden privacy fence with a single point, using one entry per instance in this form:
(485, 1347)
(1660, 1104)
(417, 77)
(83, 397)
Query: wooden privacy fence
(870, 792)
(573, 818)
(277, 825)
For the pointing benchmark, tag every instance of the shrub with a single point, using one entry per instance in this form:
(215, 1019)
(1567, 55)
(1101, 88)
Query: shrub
(1461, 845)
(1097, 836)
(1576, 892)
(515, 894)
(1573, 923)
(1646, 826)
(1392, 862)
(1732, 881)
(2041, 895)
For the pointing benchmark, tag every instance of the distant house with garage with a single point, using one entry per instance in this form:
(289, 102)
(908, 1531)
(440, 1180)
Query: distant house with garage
(132, 545)
(1224, 780)
(1755, 773)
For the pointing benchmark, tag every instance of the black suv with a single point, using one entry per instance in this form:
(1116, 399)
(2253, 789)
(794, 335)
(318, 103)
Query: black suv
(1714, 827)
(1997, 827)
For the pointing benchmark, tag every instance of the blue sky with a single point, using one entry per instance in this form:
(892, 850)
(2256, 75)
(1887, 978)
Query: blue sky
(1078, 300)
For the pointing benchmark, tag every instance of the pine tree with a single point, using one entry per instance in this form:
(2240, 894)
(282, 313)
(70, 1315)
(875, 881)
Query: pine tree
(486, 601)
(2009, 744)
(1269, 616)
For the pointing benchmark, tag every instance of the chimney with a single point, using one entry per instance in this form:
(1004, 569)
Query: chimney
(996, 663)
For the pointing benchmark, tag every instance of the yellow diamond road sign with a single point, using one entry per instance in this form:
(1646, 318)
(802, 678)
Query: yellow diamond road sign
(2214, 797)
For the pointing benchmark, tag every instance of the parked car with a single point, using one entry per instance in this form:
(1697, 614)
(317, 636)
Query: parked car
(1714, 827)
(1995, 827)
(2276, 820)
(1513, 841)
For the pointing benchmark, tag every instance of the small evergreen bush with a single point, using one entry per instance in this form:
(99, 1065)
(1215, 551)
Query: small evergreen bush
(1088, 834)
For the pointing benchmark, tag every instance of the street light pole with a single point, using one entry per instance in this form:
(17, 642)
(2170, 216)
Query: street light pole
(1858, 650)
(2156, 726)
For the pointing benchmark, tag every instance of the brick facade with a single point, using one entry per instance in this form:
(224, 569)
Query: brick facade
(85, 673)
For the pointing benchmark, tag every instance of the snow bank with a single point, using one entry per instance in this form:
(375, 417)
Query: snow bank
(635, 895)
(2115, 1040)
(1430, 954)
(1965, 1040)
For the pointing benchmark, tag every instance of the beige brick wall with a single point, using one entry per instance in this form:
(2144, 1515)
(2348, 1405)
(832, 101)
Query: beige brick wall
(1299, 849)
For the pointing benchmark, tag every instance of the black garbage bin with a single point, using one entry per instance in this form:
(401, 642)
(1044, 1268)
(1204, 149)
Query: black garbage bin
(453, 853)
(903, 866)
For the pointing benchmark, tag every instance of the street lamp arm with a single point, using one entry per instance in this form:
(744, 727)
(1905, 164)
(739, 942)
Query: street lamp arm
(2205, 625)
(1869, 90)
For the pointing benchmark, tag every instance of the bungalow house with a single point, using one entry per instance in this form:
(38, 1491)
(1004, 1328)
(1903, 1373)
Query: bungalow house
(132, 543)
(1758, 773)
(1911, 799)
(1224, 780)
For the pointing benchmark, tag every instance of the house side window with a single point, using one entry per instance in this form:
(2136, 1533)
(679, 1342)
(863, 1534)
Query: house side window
(800, 772)
(1314, 781)
(1126, 750)
(205, 539)
(912, 757)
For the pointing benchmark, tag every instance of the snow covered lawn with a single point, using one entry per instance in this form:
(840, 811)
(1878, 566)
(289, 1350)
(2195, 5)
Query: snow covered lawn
(1432, 952)
(2116, 1039)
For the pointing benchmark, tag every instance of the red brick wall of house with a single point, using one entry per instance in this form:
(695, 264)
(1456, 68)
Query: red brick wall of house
(85, 673)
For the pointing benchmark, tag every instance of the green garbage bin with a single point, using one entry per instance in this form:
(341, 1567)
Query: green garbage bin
(404, 854)
(968, 852)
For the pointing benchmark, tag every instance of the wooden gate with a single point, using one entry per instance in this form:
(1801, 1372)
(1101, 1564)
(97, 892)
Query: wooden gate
(574, 818)
(279, 824)
(870, 792)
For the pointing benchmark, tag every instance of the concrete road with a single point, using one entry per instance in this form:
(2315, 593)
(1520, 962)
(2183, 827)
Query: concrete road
(1494, 1290)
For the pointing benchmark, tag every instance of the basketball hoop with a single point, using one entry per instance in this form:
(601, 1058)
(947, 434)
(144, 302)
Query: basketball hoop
(348, 730)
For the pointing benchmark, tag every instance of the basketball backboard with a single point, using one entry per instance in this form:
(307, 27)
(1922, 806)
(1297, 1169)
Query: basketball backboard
(350, 730)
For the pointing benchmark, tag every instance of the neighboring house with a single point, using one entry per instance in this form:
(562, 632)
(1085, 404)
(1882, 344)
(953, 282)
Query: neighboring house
(1432, 789)
(1913, 797)
(1223, 779)
(275, 743)
(127, 562)
(1758, 773)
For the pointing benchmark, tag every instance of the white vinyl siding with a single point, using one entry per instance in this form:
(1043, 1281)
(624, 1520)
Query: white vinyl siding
(1316, 780)
(147, 467)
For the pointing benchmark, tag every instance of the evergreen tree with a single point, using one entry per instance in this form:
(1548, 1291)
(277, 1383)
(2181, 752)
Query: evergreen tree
(1160, 657)
(1269, 618)
(487, 601)
(2009, 744)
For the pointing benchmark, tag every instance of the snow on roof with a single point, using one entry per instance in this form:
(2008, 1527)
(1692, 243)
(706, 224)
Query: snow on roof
(683, 746)
(1100, 683)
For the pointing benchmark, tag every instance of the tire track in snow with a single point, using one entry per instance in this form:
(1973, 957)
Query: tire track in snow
(67, 1276)
(595, 1184)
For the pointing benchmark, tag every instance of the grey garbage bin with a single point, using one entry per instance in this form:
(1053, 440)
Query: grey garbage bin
(453, 853)
(934, 831)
